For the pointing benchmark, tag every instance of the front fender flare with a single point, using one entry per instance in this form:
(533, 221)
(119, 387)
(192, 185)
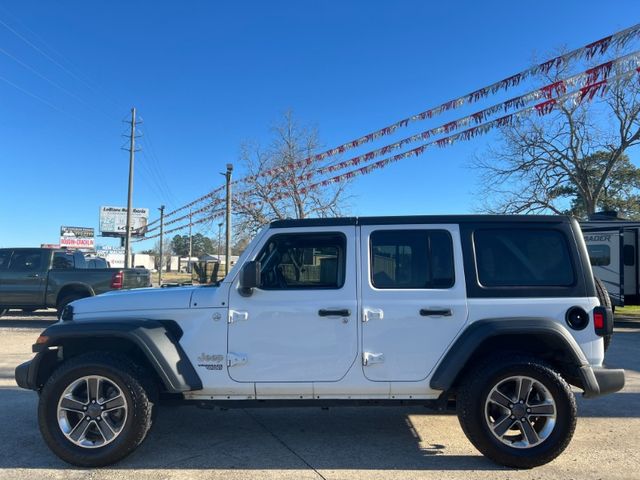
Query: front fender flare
(156, 339)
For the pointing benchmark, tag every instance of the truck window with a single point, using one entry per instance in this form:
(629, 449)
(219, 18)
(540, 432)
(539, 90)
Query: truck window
(303, 261)
(62, 260)
(5, 256)
(30, 260)
(411, 259)
(599, 255)
(522, 257)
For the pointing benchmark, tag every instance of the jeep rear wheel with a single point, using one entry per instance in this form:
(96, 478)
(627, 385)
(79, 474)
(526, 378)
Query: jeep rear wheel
(94, 410)
(519, 413)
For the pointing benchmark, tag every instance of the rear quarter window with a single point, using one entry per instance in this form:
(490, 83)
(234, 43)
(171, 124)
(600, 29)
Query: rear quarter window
(523, 257)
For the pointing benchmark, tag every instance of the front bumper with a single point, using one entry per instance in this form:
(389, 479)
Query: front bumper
(598, 381)
(25, 375)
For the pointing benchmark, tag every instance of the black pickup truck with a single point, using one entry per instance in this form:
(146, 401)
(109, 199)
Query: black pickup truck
(34, 278)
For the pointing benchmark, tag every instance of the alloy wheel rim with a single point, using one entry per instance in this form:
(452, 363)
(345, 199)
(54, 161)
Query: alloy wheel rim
(520, 412)
(92, 411)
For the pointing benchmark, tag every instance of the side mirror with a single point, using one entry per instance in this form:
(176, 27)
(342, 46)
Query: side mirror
(249, 278)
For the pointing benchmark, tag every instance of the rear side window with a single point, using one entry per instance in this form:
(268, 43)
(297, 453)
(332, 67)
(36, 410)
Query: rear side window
(411, 259)
(523, 257)
(62, 260)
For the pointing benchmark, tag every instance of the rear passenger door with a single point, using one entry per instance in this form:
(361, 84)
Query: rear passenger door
(413, 298)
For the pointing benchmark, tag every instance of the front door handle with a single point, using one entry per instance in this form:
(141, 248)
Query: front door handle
(34, 275)
(435, 312)
(344, 312)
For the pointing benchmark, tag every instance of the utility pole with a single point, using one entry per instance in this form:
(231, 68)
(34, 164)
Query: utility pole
(227, 260)
(132, 152)
(219, 238)
(161, 250)
(190, 242)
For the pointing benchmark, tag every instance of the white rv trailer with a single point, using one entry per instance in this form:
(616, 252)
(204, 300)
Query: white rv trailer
(612, 244)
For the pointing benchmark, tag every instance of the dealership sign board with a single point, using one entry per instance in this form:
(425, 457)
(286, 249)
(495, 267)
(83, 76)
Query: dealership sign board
(113, 221)
(82, 238)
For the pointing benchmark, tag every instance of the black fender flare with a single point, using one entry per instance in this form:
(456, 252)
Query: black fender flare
(456, 358)
(158, 340)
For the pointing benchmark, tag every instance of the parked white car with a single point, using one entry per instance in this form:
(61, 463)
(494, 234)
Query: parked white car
(496, 315)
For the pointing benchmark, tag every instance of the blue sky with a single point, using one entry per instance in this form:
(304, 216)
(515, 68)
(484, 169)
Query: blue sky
(206, 76)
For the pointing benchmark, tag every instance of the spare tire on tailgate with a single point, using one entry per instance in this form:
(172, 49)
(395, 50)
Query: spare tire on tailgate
(605, 301)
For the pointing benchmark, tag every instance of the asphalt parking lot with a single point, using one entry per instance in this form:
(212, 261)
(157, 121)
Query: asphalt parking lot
(310, 443)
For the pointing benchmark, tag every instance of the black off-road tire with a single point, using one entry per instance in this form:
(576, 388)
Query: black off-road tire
(137, 391)
(472, 395)
(66, 300)
(605, 301)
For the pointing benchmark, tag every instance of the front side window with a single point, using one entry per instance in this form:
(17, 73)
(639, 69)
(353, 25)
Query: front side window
(523, 257)
(303, 261)
(5, 256)
(29, 260)
(411, 259)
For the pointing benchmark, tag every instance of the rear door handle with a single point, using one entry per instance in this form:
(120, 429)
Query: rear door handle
(344, 312)
(435, 312)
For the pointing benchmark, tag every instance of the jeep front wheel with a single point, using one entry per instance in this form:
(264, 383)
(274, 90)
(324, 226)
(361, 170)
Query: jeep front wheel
(519, 413)
(94, 410)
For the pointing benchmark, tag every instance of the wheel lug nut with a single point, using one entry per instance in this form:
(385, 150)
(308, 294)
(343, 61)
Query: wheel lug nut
(101, 407)
(84, 408)
(511, 405)
(528, 410)
(93, 401)
(521, 401)
(512, 417)
(88, 418)
(522, 419)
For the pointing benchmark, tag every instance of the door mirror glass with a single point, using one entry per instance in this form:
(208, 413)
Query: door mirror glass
(249, 277)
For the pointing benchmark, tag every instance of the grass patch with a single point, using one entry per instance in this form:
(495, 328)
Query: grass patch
(630, 311)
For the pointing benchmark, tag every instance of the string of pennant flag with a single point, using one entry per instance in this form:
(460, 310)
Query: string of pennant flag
(586, 52)
(586, 93)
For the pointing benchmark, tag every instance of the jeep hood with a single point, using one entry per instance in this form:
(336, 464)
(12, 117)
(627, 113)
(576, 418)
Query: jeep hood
(135, 300)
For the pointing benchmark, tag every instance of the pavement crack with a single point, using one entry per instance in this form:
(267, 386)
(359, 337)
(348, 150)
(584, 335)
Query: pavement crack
(283, 443)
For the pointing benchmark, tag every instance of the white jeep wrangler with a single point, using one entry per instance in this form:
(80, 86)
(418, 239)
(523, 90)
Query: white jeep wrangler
(496, 315)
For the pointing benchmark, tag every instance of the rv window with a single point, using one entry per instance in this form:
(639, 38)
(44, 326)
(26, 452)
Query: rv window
(599, 255)
(629, 255)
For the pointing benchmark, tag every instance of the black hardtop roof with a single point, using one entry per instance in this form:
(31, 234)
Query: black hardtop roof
(418, 219)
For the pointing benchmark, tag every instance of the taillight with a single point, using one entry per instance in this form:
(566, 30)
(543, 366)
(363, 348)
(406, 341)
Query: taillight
(116, 280)
(598, 320)
(602, 321)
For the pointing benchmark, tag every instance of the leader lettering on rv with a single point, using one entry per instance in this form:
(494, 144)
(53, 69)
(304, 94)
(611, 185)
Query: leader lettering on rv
(598, 238)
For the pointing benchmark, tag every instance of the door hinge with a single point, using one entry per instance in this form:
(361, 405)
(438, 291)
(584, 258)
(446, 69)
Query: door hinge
(370, 358)
(372, 314)
(235, 316)
(234, 359)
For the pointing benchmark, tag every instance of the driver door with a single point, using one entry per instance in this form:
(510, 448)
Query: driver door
(301, 324)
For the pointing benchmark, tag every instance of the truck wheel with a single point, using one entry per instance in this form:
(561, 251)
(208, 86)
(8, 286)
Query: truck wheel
(605, 301)
(67, 299)
(519, 413)
(94, 409)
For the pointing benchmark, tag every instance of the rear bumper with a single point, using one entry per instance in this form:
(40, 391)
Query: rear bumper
(598, 381)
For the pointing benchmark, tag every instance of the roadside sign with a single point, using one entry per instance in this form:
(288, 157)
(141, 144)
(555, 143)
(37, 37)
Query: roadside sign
(81, 238)
(113, 221)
